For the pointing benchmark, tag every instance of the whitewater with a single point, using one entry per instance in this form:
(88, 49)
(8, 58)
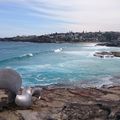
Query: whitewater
(66, 63)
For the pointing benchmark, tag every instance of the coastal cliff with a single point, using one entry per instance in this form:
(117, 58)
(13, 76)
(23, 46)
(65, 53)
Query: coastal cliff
(107, 38)
(64, 103)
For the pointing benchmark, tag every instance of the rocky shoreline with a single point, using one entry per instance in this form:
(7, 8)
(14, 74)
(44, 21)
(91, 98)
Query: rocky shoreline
(105, 54)
(64, 103)
(105, 38)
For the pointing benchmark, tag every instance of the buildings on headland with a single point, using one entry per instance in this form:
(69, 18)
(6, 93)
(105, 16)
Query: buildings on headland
(111, 37)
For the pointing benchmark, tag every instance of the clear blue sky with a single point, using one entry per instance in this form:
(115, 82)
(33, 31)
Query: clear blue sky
(28, 17)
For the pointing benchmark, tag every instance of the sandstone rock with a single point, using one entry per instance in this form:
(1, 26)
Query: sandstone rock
(69, 104)
(77, 111)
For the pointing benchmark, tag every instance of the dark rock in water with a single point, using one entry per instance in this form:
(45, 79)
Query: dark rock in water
(111, 44)
(104, 54)
(107, 54)
(116, 54)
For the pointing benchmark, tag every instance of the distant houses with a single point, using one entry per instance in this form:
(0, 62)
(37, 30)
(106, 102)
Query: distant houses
(109, 37)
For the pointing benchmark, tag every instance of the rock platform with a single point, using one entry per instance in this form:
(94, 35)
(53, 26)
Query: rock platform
(57, 103)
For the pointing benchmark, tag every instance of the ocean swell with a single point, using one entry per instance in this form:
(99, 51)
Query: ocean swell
(23, 57)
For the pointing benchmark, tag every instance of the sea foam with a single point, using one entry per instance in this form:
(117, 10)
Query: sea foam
(58, 50)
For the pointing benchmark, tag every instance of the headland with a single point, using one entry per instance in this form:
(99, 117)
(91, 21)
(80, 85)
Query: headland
(103, 38)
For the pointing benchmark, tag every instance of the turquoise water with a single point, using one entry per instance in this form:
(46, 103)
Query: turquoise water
(50, 63)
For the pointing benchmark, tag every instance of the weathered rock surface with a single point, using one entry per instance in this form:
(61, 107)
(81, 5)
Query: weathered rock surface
(69, 104)
(107, 54)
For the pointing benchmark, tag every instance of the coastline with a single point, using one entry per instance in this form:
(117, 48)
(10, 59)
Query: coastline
(69, 103)
(105, 38)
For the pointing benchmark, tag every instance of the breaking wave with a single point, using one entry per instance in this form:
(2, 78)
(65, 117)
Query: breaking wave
(27, 55)
(17, 58)
(58, 50)
(82, 53)
(23, 57)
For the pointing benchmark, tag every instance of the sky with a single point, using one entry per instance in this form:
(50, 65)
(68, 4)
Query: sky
(36, 17)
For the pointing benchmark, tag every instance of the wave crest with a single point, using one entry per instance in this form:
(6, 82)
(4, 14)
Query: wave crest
(27, 55)
(17, 58)
(58, 50)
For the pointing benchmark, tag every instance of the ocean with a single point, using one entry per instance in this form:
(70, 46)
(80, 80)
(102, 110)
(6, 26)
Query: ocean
(62, 64)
